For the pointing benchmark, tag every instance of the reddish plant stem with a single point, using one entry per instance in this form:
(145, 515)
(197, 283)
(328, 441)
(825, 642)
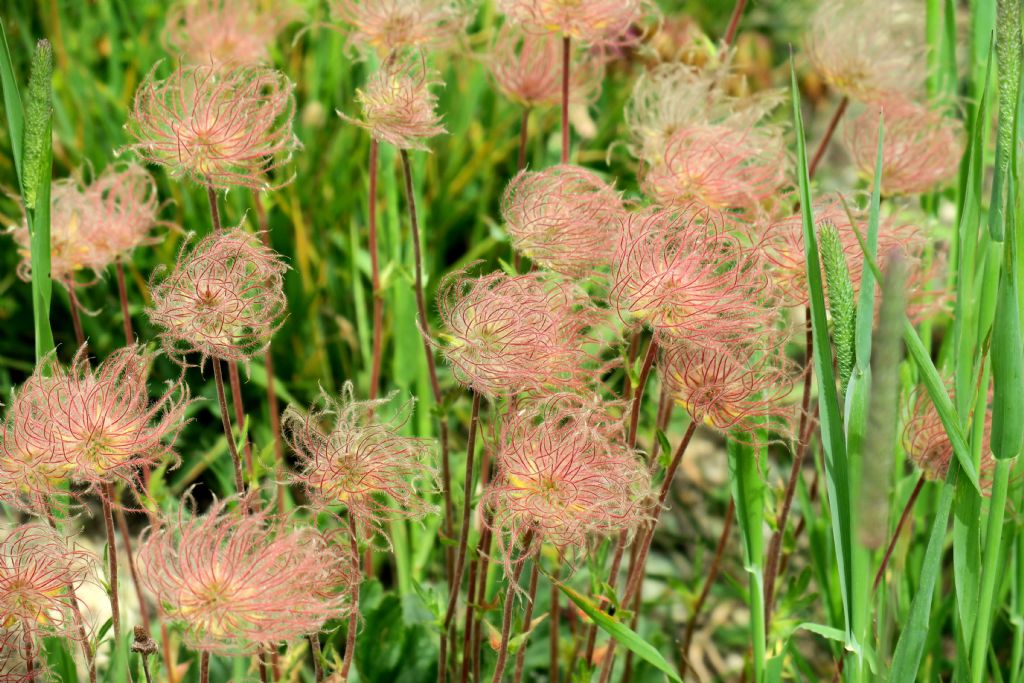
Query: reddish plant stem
(896, 533)
(204, 667)
(460, 555)
(691, 624)
(76, 318)
(225, 421)
(236, 402)
(627, 664)
(76, 611)
(531, 599)
(106, 499)
(353, 620)
(734, 22)
(613, 574)
(506, 613)
(638, 394)
(30, 656)
(318, 669)
(566, 57)
(554, 623)
(378, 295)
(122, 291)
(126, 539)
(486, 543)
(211, 195)
(435, 385)
(524, 138)
(636, 571)
(634, 346)
(833, 123)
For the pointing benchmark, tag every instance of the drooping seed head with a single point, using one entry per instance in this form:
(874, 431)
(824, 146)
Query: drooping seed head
(563, 218)
(682, 274)
(100, 421)
(869, 50)
(351, 457)
(238, 581)
(927, 443)
(511, 334)
(398, 106)
(39, 571)
(921, 148)
(220, 128)
(563, 481)
(73, 227)
(385, 26)
(527, 68)
(719, 167)
(224, 299)
(601, 23)
(226, 33)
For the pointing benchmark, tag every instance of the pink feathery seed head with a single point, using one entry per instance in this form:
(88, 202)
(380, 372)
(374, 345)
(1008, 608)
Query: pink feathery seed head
(223, 300)
(921, 148)
(220, 128)
(718, 166)
(385, 26)
(128, 200)
(226, 33)
(733, 388)
(398, 106)
(928, 445)
(681, 273)
(564, 483)
(869, 49)
(675, 96)
(39, 572)
(505, 335)
(352, 457)
(527, 68)
(237, 581)
(599, 23)
(101, 421)
(563, 218)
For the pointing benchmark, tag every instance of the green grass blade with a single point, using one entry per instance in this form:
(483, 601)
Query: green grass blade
(12, 101)
(624, 635)
(748, 493)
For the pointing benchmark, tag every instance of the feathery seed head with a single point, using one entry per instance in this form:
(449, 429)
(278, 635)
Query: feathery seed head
(505, 335)
(921, 149)
(220, 128)
(226, 33)
(600, 23)
(527, 68)
(390, 25)
(224, 299)
(351, 457)
(237, 581)
(928, 445)
(562, 218)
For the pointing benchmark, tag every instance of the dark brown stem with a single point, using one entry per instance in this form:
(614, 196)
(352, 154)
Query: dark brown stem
(318, 669)
(106, 499)
(76, 318)
(531, 599)
(691, 624)
(145, 669)
(353, 619)
(435, 385)
(899, 529)
(460, 555)
(378, 295)
(204, 667)
(638, 393)
(566, 56)
(486, 543)
(211, 195)
(122, 291)
(506, 613)
(819, 153)
(734, 22)
(225, 420)
(30, 657)
(126, 540)
(555, 619)
(236, 402)
(261, 666)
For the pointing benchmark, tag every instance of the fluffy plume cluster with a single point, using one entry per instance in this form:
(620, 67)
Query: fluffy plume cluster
(91, 225)
(352, 458)
(511, 334)
(869, 50)
(220, 128)
(390, 25)
(226, 32)
(719, 167)
(39, 573)
(561, 475)
(928, 445)
(527, 68)
(398, 106)
(562, 218)
(90, 425)
(602, 23)
(683, 274)
(921, 148)
(224, 299)
(236, 581)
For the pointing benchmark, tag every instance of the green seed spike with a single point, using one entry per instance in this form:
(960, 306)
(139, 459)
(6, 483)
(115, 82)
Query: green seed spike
(841, 300)
(886, 353)
(38, 110)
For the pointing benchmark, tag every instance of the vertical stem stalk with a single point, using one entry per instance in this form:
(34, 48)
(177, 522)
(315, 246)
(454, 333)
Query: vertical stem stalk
(318, 669)
(204, 667)
(122, 291)
(896, 533)
(819, 153)
(554, 622)
(76, 318)
(378, 295)
(566, 57)
(506, 613)
(236, 402)
(211, 195)
(30, 657)
(225, 421)
(531, 599)
(353, 619)
(126, 539)
(106, 499)
(734, 22)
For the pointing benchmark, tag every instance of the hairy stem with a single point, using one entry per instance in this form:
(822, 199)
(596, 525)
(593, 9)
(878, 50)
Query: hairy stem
(566, 56)
(531, 599)
(833, 123)
(734, 22)
(126, 539)
(236, 402)
(225, 421)
(122, 292)
(204, 667)
(314, 646)
(353, 619)
(30, 657)
(638, 392)
(106, 499)
(506, 613)
(211, 195)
